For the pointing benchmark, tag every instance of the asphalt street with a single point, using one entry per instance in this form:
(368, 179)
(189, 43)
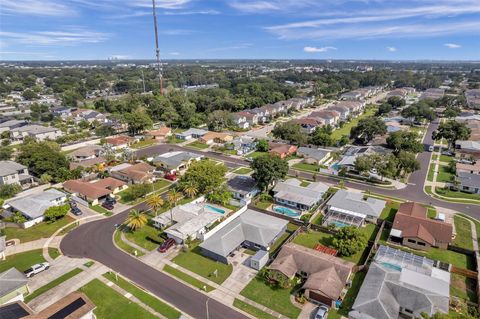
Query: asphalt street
(94, 240)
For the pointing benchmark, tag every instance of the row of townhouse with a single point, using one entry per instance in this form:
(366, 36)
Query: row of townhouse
(247, 118)
(361, 94)
(401, 92)
(473, 98)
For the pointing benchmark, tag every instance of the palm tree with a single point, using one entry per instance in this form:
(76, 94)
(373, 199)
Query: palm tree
(190, 190)
(155, 202)
(136, 219)
(172, 198)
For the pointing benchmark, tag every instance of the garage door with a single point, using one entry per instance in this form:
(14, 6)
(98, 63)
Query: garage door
(320, 298)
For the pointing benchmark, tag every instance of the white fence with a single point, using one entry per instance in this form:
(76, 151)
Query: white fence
(225, 222)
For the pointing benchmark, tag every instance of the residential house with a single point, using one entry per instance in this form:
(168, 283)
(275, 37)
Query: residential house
(38, 132)
(243, 188)
(75, 305)
(468, 182)
(400, 284)
(317, 156)
(134, 174)
(89, 116)
(216, 137)
(3, 247)
(13, 173)
(191, 133)
(415, 230)
(85, 153)
(119, 142)
(244, 144)
(355, 107)
(241, 120)
(94, 192)
(433, 93)
(263, 115)
(251, 229)
(473, 98)
(351, 208)
(11, 124)
(282, 150)
(33, 206)
(176, 162)
(401, 93)
(13, 286)
(308, 124)
(329, 117)
(160, 134)
(351, 154)
(467, 149)
(326, 276)
(297, 103)
(63, 111)
(342, 110)
(88, 163)
(468, 168)
(352, 95)
(303, 198)
(190, 221)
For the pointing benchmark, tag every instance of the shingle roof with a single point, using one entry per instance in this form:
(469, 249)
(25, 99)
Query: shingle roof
(468, 179)
(315, 153)
(85, 151)
(11, 280)
(175, 159)
(35, 205)
(242, 184)
(35, 129)
(10, 167)
(355, 203)
(89, 190)
(306, 195)
(253, 226)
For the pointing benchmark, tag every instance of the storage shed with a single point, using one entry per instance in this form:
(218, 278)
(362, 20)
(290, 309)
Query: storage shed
(259, 260)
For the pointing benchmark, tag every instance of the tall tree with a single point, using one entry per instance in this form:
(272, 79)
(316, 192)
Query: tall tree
(290, 131)
(155, 202)
(452, 131)
(367, 128)
(173, 197)
(404, 141)
(205, 175)
(136, 219)
(137, 121)
(267, 169)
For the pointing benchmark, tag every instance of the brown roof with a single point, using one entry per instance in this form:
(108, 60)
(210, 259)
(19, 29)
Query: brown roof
(418, 231)
(93, 190)
(85, 151)
(280, 148)
(309, 121)
(137, 172)
(412, 209)
(161, 132)
(469, 168)
(119, 140)
(88, 162)
(215, 135)
(109, 183)
(408, 216)
(86, 305)
(326, 273)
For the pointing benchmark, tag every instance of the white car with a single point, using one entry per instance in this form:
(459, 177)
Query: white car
(321, 312)
(35, 269)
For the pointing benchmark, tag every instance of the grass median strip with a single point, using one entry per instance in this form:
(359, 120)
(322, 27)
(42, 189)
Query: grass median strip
(117, 237)
(151, 301)
(54, 253)
(187, 278)
(257, 313)
(53, 284)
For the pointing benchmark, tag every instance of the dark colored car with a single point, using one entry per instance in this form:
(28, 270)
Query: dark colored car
(111, 200)
(171, 177)
(76, 211)
(169, 243)
(108, 206)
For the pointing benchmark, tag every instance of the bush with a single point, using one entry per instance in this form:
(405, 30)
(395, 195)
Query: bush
(349, 240)
(7, 191)
(56, 212)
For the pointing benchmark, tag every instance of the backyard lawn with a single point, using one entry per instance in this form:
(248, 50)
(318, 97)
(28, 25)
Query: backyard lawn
(22, 261)
(148, 299)
(198, 145)
(388, 213)
(52, 284)
(463, 229)
(263, 204)
(111, 304)
(345, 129)
(42, 230)
(277, 299)
(306, 167)
(203, 266)
(243, 170)
(187, 278)
(145, 237)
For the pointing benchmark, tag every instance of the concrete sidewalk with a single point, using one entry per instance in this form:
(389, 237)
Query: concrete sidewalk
(32, 245)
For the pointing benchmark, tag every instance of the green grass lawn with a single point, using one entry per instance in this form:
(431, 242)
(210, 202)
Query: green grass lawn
(42, 230)
(144, 143)
(148, 299)
(158, 185)
(198, 145)
(187, 278)
(263, 204)
(124, 246)
(111, 304)
(52, 284)
(306, 167)
(256, 154)
(22, 261)
(54, 253)
(257, 313)
(345, 130)
(141, 237)
(349, 297)
(388, 213)
(456, 194)
(370, 231)
(464, 233)
(203, 266)
(276, 245)
(463, 287)
(99, 209)
(446, 159)
(304, 183)
(431, 212)
(89, 263)
(444, 174)
(431, 171)
(243, 170)
(277, 299)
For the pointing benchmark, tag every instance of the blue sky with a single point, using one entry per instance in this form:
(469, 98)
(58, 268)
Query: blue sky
(253, 29)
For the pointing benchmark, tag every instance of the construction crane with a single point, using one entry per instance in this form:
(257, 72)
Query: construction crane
(157, 50)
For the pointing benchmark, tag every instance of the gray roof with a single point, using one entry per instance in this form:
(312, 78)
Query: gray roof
(12, 123)
(35, 129)
(315, 153)
(193, 131)
(11, 280)
(10, 167)
(468, 145)
(306, 195)
(175, 159)
(253, 226)
(351, 202)
(390, 286)
(35, 205)
(242, 184)
(468, 179)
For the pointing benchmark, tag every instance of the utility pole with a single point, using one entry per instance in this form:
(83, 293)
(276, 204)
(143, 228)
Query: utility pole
(157, 50)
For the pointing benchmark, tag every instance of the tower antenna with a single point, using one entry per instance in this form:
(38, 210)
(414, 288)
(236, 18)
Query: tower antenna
(157, 50)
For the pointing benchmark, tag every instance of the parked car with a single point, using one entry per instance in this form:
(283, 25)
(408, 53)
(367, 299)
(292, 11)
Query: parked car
(431, 148)
(321, 312)
(111, 200)
(107, 205)
(170, 177)
(166, 245)
(76, 211)
(447, 153)
(36, 269)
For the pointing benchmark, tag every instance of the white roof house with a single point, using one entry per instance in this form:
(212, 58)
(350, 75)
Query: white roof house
(290, 193)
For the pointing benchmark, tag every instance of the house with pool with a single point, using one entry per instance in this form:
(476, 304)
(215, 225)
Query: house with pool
(189, 221)
(292, 198)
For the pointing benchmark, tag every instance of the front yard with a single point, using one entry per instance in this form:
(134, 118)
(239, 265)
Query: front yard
(197, 145)
(243, 171)
(444, 175)
(145, 143)
(42, 230)
(306, 167)
(203, 266)
(456, 194)
(145, 237)
(22, 261)
(256, 154)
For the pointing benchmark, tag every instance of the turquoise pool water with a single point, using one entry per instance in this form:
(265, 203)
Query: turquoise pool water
(339, 224)
(336, 167)
(286, 211)
(392, 266)
(215, 209)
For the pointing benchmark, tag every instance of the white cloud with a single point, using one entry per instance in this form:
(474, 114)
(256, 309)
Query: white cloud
(174, 53)
(186, 13)
(74, 37)
(35, 8)
(254, 6)
(391, 49)
(452, 45)
(315, 49)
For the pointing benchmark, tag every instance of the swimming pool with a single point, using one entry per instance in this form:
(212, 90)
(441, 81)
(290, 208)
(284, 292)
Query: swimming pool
(339, 224)
(215, 209)
(286, 211)
(336, 167)
(392, 266)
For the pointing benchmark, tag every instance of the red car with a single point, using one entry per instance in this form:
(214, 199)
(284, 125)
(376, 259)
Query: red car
(107, 205)
(167, 244)
(171, 177)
